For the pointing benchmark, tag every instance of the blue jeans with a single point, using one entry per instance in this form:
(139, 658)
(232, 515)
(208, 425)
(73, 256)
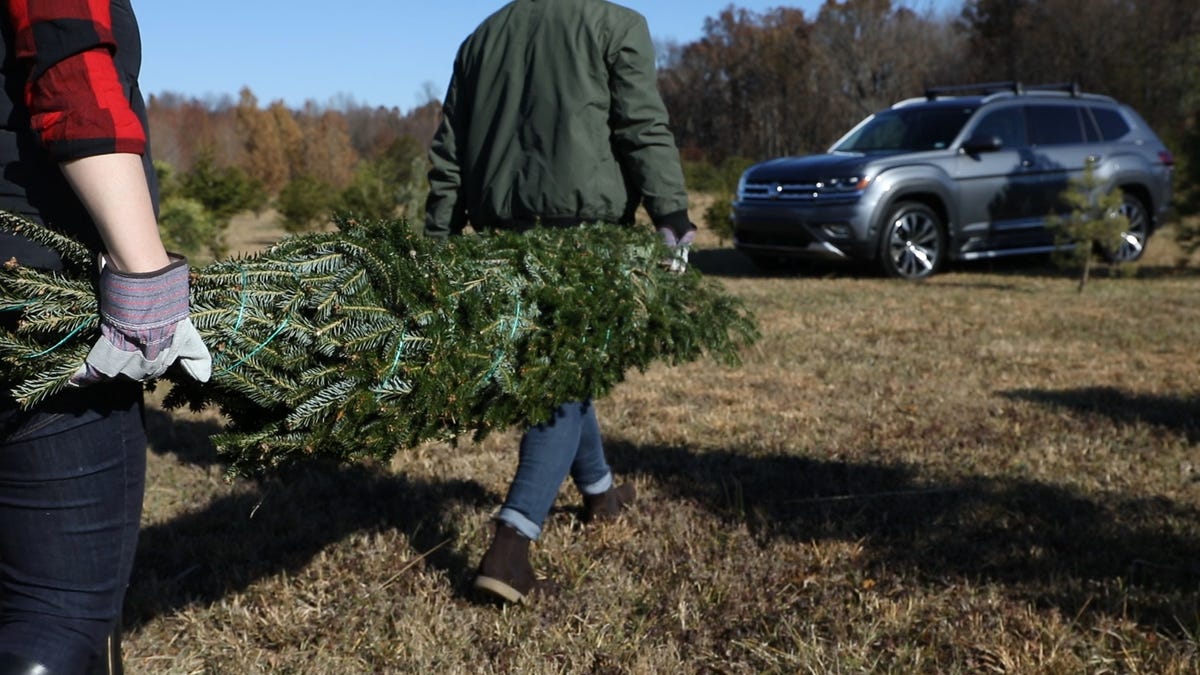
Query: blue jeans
(568, 443)
(72, 475)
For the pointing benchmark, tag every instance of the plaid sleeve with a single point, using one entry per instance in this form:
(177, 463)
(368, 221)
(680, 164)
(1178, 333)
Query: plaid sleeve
(77, 103)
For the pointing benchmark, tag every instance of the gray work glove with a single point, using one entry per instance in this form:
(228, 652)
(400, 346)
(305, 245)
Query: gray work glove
(144, 327)
(679, 243)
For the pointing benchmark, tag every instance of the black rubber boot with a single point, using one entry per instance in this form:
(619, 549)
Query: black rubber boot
(505, 572)
(108, 661)
(606, 505)
(11, 664)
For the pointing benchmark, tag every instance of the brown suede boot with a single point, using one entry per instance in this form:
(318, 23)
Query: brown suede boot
(606, 505)
(505, 572)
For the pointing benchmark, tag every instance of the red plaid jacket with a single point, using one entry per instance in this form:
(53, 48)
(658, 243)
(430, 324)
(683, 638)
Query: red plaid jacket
(77, 103)
(68, 89)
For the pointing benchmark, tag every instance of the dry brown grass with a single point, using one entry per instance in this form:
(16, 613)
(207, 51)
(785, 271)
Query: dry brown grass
(987, 472)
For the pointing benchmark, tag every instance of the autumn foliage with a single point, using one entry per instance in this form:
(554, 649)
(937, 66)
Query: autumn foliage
(306, 163)
(755, 85)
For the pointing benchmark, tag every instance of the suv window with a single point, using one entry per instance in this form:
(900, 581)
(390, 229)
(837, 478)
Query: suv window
(1054, 124)
(1112, 124)
(908, 130)
(1007, 124)
(1089, 127)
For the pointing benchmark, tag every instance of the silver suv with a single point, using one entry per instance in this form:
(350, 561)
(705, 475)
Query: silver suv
(963, 173)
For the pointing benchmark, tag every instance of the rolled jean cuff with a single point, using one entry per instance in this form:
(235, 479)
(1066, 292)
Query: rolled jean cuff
(599, 487)
(517, 521)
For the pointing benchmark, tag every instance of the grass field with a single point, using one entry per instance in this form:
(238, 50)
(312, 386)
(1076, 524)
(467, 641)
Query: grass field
(985, 472)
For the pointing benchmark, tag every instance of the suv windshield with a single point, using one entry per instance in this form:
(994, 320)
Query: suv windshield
(908, 130)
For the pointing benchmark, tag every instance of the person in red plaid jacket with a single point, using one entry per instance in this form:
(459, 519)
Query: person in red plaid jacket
(74, 156)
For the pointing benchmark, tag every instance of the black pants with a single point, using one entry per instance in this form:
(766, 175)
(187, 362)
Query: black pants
(72, 476)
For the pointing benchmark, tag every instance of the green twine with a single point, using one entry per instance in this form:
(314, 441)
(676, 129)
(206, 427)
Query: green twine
(398, 354)
(257, 349)
(57, 344)
(516, 323)
(237, 325)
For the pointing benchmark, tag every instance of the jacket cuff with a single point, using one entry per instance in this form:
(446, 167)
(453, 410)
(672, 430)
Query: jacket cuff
(676, 220)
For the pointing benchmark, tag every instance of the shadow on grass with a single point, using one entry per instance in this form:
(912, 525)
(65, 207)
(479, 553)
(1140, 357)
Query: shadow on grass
(723, 262)
(732, 264)
(1130, 557)
(1081, 553)
(278, 524)
(1168, 271)
(1044, 266)
(187, 440)
(1172, 413)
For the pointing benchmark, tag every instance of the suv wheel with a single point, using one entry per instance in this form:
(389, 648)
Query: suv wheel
(1133, 240)
(913, 242)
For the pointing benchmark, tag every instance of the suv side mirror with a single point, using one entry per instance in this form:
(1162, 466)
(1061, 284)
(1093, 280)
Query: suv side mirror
(982, 143)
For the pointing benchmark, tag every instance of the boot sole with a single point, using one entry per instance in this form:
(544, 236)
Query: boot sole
(499, 588)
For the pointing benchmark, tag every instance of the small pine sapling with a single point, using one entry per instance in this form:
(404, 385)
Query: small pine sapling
(1094, 221)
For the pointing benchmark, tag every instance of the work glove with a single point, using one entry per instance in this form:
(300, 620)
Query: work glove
(144, 327)
(679, 240)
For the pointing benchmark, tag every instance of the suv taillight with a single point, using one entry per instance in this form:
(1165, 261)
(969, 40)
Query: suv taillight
(1166, 157)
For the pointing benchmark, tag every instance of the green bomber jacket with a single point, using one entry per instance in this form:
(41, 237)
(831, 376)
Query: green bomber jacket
(553, 114)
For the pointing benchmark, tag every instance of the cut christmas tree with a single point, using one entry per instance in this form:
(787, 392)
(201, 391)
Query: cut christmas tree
(369, 340)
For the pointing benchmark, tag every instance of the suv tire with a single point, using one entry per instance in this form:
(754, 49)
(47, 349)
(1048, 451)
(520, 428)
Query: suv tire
(912, 244)
(1133, 240)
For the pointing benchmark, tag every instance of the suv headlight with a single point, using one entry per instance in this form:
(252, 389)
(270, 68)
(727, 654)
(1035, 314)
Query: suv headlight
(845, 183)
(741, 186)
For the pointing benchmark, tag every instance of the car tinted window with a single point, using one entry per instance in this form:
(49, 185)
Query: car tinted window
(1007, 124)
(1054, 124)
(1112, 124)
(1090, 131)
(908, 130)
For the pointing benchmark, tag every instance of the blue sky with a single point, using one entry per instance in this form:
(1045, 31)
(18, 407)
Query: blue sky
(378, 52)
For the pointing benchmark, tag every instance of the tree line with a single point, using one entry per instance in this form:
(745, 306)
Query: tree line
(754, 85)
(766, 84)
(218, 157)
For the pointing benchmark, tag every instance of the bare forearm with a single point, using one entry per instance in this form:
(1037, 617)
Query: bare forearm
(114, 190)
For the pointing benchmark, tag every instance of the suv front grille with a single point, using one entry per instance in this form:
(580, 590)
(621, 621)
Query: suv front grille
(796, 192)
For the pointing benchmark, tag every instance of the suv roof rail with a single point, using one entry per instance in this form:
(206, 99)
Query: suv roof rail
(1014, 87)
(1071, 88)
(932, 93)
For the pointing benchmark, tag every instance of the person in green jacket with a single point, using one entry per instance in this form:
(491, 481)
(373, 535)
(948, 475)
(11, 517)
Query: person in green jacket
(553, 119)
